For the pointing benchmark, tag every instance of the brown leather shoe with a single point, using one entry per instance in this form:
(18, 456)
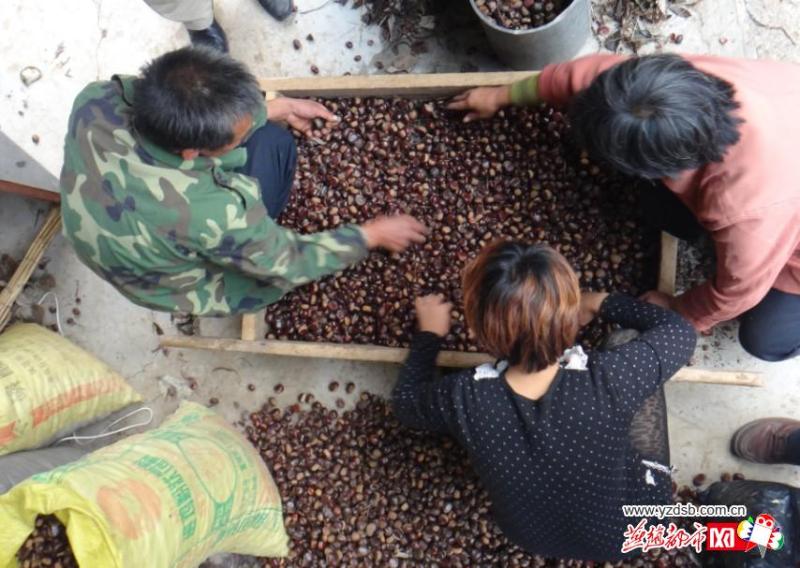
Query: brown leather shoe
(764, 440)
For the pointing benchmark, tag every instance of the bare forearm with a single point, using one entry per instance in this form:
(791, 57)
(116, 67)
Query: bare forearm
(279, 109)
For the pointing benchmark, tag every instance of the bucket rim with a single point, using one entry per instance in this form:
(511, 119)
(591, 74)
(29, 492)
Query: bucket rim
(486, 20)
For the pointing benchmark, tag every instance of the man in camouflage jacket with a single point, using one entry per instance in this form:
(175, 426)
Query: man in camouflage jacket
(172, 180)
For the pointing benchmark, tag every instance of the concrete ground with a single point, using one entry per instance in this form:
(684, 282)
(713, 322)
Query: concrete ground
(76, 42)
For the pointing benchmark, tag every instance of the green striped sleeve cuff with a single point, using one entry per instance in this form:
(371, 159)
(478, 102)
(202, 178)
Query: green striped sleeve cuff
(526, 92)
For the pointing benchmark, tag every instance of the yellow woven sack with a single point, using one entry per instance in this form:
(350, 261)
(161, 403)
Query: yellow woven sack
(48, 386)
(168, 497)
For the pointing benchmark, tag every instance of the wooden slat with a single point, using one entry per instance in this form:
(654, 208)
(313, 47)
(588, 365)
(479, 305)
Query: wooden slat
(249, 326)
(669, 264)
(431, 85)
(8, 296)
(318, 350)
(719, 377)
(29, 191)
(394, 355)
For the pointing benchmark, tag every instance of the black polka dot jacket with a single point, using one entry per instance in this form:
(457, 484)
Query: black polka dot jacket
(557, 469)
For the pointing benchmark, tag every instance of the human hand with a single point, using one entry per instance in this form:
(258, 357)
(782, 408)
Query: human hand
(590, 306)
(299, 113)
(659, 299)
(482, 102)
(395, 233)
(433, 314)
(669, 303)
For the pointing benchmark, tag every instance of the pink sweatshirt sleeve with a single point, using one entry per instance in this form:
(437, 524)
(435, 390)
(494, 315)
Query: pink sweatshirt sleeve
(559, 82)
(750, 255)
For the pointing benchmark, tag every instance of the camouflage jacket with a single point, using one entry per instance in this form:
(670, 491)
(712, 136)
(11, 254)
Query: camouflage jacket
(180, 235)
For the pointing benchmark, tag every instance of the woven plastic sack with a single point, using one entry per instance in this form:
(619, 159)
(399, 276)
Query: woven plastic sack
(171, 496)
(19, 466)
(48, 386)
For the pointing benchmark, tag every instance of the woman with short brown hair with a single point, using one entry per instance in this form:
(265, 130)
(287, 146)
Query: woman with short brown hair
(551, 444)
(522, 303)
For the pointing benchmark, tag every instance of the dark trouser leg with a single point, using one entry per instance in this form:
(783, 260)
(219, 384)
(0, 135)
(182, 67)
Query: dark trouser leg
(771, 330)
(664, 211)
(272, 159)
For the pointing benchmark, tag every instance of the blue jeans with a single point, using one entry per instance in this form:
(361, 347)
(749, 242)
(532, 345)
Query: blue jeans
(272, 160)
(770, 330)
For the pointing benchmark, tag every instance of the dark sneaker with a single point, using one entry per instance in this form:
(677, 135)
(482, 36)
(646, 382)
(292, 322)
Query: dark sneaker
(764, 440)
(213, 36)
(278, 9)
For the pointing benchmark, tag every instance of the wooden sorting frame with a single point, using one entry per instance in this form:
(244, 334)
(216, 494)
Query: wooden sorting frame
(414, 86)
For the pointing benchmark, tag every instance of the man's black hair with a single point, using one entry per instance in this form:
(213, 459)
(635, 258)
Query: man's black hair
(655, 116)
(191, 98)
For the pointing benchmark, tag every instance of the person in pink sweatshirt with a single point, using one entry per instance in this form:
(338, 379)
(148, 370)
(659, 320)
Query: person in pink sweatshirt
(718, 138)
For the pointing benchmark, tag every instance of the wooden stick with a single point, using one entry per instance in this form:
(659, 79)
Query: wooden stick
(719, 377)
(29, 191)
(439, 84)
(669, 264)
(8, 296)
(395, 355)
